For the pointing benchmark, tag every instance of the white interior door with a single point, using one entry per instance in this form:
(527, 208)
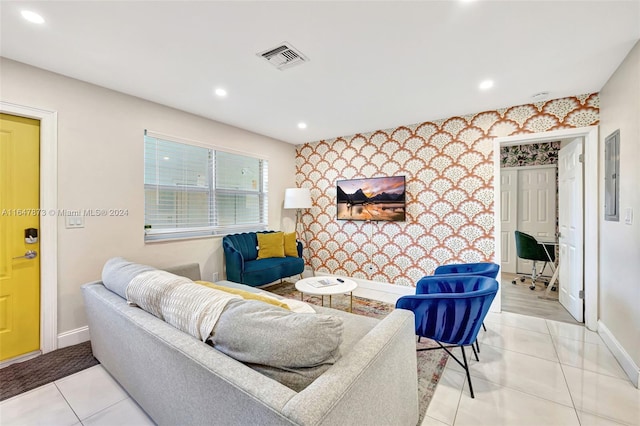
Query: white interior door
(571, 272)
(508, 218)
(536, 208)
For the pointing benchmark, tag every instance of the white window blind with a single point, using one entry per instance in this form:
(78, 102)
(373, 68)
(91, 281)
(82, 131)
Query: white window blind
(192, 191)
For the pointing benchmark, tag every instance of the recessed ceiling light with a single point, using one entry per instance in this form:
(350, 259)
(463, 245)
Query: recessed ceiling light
(487, 84)
(165, 158)
(221, 92)
(32, 17)
(302, 125)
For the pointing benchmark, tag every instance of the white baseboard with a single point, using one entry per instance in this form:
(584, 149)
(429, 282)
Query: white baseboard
(373, 285)
(386, 287)
(73, 337)
(625, 360)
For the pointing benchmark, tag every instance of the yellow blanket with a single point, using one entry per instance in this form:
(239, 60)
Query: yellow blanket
(246, 294)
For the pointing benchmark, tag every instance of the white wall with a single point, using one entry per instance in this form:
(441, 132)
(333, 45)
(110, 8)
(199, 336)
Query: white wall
(620, 243)
(100, 165)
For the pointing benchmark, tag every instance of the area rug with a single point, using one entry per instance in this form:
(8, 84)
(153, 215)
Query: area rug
(27, 375)
(430, 363)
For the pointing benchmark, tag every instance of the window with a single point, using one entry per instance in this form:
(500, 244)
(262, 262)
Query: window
(193, 191)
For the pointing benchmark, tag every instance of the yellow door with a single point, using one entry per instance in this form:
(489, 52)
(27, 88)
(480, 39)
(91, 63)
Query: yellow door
(19, 211)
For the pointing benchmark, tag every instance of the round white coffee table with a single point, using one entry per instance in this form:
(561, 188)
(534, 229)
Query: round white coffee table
(327, 286)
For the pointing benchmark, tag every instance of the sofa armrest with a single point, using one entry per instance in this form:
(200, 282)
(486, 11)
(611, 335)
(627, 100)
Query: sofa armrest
(383, 362)
(299, 247)
(234, 261)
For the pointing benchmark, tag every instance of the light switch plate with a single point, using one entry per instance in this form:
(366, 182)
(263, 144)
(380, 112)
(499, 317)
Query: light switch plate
(628, 216)
(72, 222)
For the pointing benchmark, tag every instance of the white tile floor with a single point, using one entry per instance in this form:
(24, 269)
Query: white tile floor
(536, 372)
(531, 372)
(90, 397)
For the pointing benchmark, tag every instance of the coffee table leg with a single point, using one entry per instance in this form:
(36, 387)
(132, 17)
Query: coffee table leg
(301, 296)
(329, 300)
(351, 302)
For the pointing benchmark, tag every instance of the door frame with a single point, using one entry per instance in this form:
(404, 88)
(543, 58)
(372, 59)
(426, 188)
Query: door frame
(591, 209)
(48, 223)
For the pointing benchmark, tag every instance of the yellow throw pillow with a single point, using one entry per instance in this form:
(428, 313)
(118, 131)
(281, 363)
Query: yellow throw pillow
(247, 295)
(270, 244)
(290, 244)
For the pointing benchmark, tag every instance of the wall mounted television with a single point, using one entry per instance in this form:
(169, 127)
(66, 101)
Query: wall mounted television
(376, 199)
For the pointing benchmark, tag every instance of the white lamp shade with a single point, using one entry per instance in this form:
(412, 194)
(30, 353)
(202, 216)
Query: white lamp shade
(297, 198)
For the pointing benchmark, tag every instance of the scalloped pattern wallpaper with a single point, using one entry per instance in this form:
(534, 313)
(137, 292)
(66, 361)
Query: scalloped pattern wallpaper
(448, 166)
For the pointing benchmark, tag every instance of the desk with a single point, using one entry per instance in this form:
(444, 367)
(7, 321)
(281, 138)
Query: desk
(554, 267)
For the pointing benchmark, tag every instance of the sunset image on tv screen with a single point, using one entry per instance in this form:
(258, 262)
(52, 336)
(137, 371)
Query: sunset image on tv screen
(380, 198)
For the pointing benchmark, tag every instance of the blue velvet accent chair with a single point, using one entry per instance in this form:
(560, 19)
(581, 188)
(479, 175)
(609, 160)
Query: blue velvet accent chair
(244, 267)
(484, 269)
(450, 309)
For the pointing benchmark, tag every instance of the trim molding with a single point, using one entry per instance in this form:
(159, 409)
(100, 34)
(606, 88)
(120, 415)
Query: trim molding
(591, 209)
(48, 224)
(73, 337)
(623, 357)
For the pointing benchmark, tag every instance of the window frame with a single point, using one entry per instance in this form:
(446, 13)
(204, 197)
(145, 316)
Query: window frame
(213, 228)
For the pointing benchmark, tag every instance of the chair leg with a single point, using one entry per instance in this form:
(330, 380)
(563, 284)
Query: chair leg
(462, 364)
(534, 275)
(484, 327)
(477, 347)
(466, 368)
(475, 353)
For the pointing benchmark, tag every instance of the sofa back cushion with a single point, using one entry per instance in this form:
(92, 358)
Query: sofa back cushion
(118, 272)
(246, 243)
(289, 347)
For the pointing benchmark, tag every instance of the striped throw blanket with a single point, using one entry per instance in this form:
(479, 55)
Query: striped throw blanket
(189, 307)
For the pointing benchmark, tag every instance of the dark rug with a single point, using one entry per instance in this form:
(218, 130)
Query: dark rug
(27, 375)
(430, 363)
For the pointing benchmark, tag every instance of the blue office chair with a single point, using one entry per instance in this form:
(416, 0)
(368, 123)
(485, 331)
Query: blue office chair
(450, 309)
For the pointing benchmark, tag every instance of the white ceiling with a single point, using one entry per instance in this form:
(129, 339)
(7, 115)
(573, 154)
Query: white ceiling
(373, 65)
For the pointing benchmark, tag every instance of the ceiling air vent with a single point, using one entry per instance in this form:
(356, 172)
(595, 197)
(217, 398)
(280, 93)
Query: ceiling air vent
(284, 56)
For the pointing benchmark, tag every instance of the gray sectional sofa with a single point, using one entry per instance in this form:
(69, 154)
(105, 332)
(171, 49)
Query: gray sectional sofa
(179, 380)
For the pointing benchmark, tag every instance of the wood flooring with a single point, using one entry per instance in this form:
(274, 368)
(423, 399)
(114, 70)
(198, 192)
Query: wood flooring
(519, 299)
